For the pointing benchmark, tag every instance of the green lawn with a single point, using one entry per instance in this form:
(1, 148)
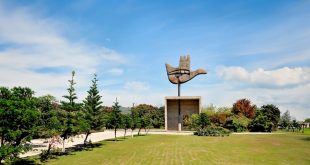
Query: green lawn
(170, 149)
(307, 131)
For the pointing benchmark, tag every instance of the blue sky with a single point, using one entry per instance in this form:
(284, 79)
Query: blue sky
(251, 49)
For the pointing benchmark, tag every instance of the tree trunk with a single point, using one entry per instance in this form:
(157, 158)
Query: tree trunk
(139, 131)
(131, 133)
(85, 140)
(114, 134)
(63, 145)
(49, 149)
(125, 133)
(147, 131)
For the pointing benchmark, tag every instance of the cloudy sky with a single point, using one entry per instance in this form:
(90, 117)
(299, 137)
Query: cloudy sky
(258, 50)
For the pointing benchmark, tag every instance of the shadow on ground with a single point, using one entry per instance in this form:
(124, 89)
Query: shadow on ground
(70, 151)
(24, 161)
(306, 138)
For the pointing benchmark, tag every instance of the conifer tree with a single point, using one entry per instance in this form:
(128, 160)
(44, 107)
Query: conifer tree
(115, 118)
(93, 109)
(70, 112)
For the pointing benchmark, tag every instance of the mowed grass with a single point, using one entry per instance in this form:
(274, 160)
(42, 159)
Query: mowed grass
(307, 131)
(172, 149)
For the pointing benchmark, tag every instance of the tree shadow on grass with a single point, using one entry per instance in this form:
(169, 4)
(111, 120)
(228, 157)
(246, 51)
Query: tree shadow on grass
(80, 147)
(306, 138)
(24, 161)
(112, 140)
(71, 151)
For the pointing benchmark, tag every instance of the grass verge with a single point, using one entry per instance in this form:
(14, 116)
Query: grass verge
(172, 149)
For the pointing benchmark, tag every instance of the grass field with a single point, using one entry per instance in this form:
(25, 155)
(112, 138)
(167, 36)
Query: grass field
(307, 131)
(171, 149)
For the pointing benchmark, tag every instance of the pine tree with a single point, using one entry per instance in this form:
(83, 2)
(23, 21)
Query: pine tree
(70, 112)
(93, 109)
(115, 118)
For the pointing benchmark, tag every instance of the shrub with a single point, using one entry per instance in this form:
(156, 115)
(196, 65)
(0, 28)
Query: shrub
(237, 123)
(212, 131)
(261, 123)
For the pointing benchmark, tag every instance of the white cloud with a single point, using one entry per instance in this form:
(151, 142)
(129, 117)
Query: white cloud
(32, 42)
(136, 86)
(116, 71)
(276, 78)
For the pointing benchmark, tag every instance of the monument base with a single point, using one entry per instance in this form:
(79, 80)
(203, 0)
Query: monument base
(178, 109)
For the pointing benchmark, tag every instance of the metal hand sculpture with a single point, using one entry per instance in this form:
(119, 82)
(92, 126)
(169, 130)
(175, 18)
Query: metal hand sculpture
(182, 74)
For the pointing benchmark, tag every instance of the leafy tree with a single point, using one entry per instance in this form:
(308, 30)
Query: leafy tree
(50, 126)
(93, 109)
(115, 118)
(200, 121)
(295, 125)
(244, 107)
(19, 120)
(285, 119)
(272, 113)
(135, 121)
(261, 123)
(70, 115)
(127, 122)
(144, 116)
(220, 116)
(209, 110)
(307, 120)
(237, 123)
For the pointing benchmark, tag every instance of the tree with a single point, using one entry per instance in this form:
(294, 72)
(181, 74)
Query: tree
(93, 109)
(134, 121)
(220, 116)
(200, 121)
(244, 107)
(146, 116)
(50, 126)
(272, 113)
(295, 125)
(70, 114)
(307, 120)
(19, 120)
(237, 123)
(285, 120)
(115, 119)
(261, 123)
(127, 122)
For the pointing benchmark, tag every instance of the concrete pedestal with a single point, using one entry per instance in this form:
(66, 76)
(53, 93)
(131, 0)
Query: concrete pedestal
(188, 106)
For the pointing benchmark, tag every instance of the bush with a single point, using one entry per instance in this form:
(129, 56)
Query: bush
(212, 131)
(199, 121)
(237, 123)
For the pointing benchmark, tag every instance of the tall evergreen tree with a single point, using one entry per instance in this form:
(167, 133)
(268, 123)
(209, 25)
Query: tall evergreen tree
(115, 118)
(285, 119)
(69, 115)
(93, 109)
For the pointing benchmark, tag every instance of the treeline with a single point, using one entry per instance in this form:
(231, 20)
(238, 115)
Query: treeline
(242, 116)
(24, 117)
